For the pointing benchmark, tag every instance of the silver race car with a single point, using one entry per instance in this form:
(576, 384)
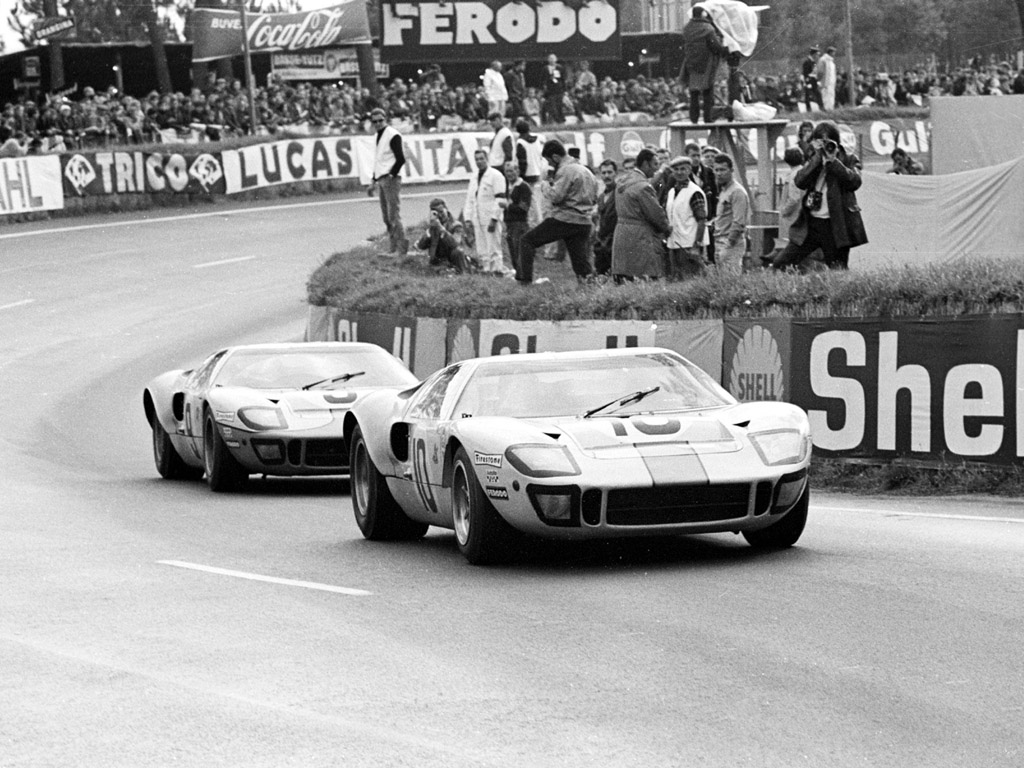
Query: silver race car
(595, 444)
(270, 409)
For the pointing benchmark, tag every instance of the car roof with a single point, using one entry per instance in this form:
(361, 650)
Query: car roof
(306, 345)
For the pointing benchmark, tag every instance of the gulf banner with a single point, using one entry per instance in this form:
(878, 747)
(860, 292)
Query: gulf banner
(483, 30)
(86, 174)
(932, 389)
(290, 161)
(217, 34)
(30, 184)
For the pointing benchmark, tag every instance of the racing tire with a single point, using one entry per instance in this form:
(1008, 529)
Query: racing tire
(223, 472)
(783, 534)
(378, 515)
(483, 536)
(168, 461)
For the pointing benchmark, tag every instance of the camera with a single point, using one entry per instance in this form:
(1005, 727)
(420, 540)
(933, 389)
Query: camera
(812, 202)
(831, 147)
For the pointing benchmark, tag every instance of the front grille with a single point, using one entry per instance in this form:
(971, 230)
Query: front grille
(326, 453)
(672, 504)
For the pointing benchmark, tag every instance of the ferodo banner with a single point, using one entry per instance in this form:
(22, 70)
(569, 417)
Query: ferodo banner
(109, 173)
(285, 162)
(217, 34)
(937, 388)
(480, 30)
(30, 184)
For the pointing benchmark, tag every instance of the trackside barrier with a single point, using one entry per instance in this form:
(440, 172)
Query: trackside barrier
(927, 389)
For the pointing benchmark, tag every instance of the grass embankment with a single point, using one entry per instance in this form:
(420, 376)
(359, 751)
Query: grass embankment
(363, 281)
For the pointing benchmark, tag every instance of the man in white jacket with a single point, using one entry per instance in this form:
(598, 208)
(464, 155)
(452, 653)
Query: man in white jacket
(485, 199)
(494, 89)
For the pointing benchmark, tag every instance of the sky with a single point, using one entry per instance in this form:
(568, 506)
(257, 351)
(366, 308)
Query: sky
(11, 41)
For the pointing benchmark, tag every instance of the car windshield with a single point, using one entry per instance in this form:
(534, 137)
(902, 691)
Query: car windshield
(295, 368)
(543, 388)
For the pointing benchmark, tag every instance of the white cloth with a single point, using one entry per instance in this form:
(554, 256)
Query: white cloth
(680, 216)
(383, 155)
(496, 155)
(494, 86)
(483, 196)
(736, 21)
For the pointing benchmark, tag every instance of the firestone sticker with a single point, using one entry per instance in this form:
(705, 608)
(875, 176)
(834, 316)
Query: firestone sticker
(488, 459)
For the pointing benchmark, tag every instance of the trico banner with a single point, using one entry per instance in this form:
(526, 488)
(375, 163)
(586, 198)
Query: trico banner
(114, 173)
(286, 162)
(30, 184)
(481, 30)
(217, 34)
(936, 388)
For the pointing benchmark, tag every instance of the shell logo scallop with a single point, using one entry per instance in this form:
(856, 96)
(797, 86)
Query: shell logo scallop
(463, 346)
(757, 367)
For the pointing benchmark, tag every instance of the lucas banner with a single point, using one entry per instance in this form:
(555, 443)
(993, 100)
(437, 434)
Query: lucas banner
(287, 162)
(217, 34)
(482, 30)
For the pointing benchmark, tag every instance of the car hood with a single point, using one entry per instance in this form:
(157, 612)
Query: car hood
(677, 433)
(293, 400)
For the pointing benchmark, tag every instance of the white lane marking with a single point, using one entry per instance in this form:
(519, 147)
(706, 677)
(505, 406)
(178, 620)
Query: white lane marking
(209, 214)
(222, 261)
(268, 579)
(14, 304)
(899, 513)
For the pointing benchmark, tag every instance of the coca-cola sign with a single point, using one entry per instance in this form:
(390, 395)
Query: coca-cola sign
(218, 33)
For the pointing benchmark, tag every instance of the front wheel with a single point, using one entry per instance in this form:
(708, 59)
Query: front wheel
(378, 515)
(783, 534)
(168, 461)
(223, 472)
(482, 535)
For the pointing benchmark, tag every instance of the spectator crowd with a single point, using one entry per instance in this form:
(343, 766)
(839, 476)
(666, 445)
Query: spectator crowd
(86, 118)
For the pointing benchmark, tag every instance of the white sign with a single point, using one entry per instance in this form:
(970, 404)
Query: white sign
(30, 184)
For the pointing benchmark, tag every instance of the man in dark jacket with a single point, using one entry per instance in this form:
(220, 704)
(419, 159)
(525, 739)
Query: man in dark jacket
(703, 51)
(515, 84)
(829, 216)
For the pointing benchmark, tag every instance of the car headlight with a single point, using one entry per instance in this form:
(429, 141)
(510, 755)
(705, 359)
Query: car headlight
(542, 460)
(780, 446)
(262, 418)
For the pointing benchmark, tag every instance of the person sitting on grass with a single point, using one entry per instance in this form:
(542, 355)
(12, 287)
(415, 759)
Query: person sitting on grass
(442, 240)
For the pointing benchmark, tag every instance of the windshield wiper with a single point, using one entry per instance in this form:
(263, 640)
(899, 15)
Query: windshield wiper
(334, 379)
(634, 397)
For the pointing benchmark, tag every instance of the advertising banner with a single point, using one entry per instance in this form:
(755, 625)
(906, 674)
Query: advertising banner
(756, 358)
(285, 162)
(507, 30)
(30, 184)
(328, 64)
(699, 341)
(482, 338)
(934, 389)
(416, 341)
(217, 34)
(428, 157)
(109, 173)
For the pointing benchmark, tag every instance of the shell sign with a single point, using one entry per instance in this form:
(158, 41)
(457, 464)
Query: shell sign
(756, 356)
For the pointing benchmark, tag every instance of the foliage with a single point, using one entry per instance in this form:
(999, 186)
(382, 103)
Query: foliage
(363, 282)
(898, 478)
(104, 21)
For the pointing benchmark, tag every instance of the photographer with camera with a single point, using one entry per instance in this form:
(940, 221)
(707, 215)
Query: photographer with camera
(442, 239)
(829, 216)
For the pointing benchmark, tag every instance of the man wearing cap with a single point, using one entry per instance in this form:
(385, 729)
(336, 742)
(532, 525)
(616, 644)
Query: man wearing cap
(825, 72)
(812, 97)
(388, 159)
(687, 212)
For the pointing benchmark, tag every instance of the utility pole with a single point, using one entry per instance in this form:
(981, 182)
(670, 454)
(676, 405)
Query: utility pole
(850, 79)
(56, 54)
(248, 67)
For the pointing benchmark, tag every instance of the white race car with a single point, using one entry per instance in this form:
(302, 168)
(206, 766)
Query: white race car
(270, 409)
(596, 444)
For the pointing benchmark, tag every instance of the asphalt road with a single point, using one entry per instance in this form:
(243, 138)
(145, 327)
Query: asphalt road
(890, 636)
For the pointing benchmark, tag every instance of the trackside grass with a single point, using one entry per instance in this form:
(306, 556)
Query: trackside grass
(361, 280)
